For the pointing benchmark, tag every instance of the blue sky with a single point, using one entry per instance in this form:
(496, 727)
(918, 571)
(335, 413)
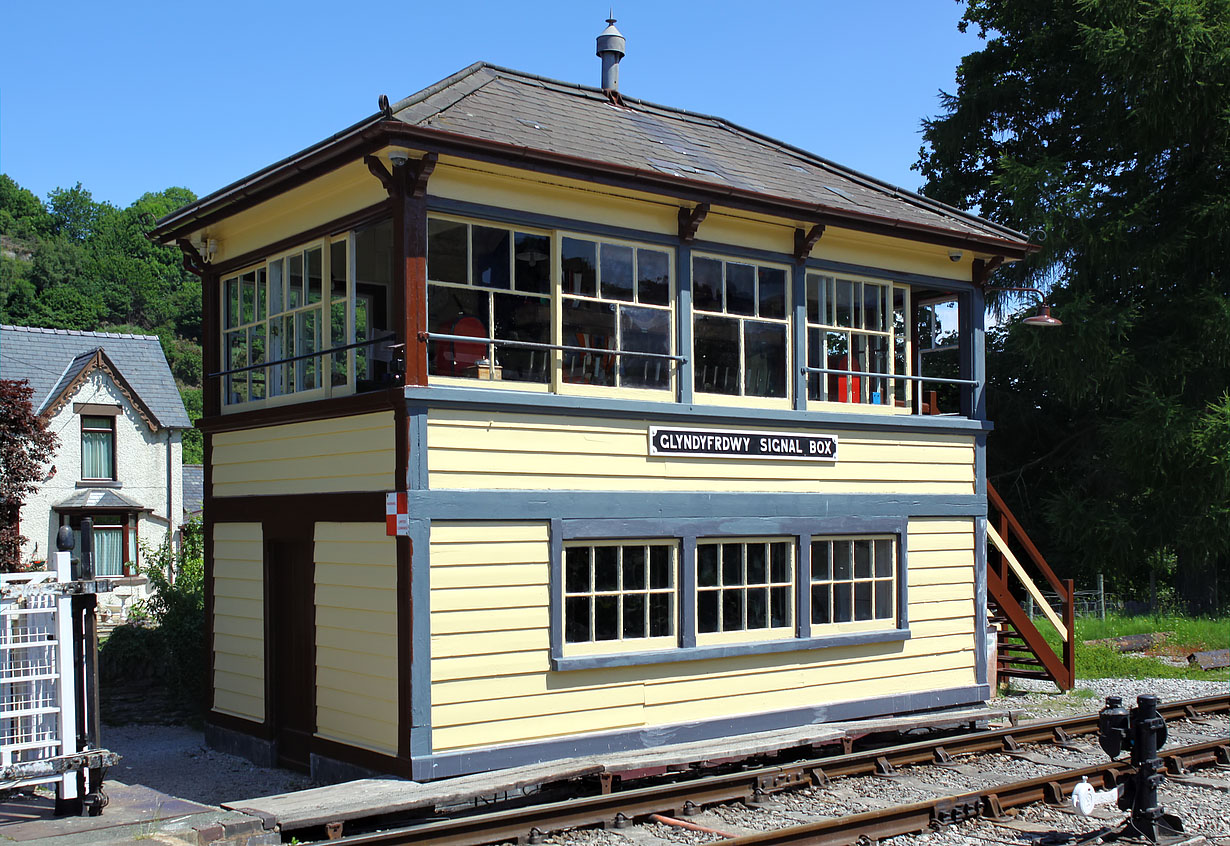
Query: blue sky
(135, 97)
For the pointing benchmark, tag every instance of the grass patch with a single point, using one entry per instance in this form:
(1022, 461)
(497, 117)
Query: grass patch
(1191, 634)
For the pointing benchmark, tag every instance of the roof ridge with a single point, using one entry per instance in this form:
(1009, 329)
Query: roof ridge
(80, 332)
(807, 155)
(435, 88)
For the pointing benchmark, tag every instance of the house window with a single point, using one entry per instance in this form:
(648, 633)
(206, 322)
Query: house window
(490, 283)
(853, 580)
(115, 542)
(854, 328)
(97, 447)
(745, 586)
(621, 594)
(616, 297)
(740, 328)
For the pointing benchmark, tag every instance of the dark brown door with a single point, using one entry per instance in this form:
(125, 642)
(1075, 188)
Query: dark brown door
(292, 653)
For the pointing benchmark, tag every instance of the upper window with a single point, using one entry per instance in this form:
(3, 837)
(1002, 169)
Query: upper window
(616, 297)
(856, 328)
(284, 320)
(490, 283)
(97, 447)
(740, 328)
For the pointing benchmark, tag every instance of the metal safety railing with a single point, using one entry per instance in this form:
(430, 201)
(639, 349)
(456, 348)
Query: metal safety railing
(902, 376)
(534, 345)
(301, 357)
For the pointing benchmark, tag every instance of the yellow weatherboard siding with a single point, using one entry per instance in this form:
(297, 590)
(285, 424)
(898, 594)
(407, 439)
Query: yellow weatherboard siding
(239, 620)
(474, 449)
(356, 635)
(318, 456)
(490, 647)
(508, 188)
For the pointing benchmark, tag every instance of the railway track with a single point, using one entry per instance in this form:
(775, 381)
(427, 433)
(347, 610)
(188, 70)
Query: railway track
(761, 786)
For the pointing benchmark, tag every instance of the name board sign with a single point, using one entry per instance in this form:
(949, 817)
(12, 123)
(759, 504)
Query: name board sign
(719, 443)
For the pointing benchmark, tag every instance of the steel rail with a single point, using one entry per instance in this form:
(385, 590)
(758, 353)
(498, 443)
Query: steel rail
(671, 798)
(988, 802)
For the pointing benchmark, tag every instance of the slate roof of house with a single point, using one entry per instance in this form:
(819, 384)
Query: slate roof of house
(194, 488)
(50, 358)
(93, 498)
(516, 111)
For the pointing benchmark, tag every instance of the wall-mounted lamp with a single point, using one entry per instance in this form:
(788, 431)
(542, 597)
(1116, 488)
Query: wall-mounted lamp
(955, 255)
(211, 247)
(1043, 317)
(399, 157)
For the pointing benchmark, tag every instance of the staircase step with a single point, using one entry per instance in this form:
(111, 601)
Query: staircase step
(1025, 674)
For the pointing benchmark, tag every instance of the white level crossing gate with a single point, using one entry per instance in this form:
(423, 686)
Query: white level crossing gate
(41, 696)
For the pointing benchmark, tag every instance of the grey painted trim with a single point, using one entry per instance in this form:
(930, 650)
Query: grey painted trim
(700, 653)
(901, 276)
(441, 396)
(687, 530)
(478, 760)
(720, 250)
(980, 601)
(616, 528)
(555, 587)
(420, 659)
(687, 594)
(683, 320)
(545, 505)
(416, 466)
(513, 217)
(977, 339)
(802, 598)
(798, 332)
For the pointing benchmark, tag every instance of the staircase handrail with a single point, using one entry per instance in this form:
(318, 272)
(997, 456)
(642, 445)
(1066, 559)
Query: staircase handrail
(1018, 534)
(1030, 587)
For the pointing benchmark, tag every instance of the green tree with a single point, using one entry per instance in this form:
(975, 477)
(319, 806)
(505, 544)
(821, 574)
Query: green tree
(25, 448)
(1102, 128)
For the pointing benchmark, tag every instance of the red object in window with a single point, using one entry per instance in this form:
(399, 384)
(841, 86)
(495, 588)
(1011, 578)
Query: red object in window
(838, 383)
(455, 358)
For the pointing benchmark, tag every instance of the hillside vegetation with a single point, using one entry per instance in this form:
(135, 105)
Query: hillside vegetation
(74, 263)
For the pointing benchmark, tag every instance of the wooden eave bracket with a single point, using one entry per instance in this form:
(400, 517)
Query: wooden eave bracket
(413, 174)
(193, 263)
(690, 221)
(984, 268)
(805, 241)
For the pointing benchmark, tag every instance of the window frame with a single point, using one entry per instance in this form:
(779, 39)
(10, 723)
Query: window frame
(621, 643)
(892, 386)
(689, 645)
(262, 272)
(787, 321)
(111, 431)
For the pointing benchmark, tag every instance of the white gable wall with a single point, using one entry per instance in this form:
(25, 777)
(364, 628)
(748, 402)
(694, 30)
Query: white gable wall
(142, 459)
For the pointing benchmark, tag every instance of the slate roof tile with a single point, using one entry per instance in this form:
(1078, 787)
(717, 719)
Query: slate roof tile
(47, 358)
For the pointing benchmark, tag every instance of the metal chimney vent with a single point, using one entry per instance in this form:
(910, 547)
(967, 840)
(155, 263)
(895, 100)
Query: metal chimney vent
(610, 50)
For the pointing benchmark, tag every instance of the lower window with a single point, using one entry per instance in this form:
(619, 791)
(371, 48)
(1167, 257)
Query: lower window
(115, 542)
(621, 594)
(745, 586)
(853, 580)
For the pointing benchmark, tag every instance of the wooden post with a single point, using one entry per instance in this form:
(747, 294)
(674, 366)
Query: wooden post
(1101, 598)
(1069, 621)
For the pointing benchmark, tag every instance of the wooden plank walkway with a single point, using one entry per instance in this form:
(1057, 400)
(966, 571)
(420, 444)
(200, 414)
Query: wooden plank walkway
(380, 796)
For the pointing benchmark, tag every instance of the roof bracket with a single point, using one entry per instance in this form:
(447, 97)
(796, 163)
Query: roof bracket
(380, 172)
(804, 241)
(983, 269)
(690, 220)
(193, 263)
(418, 173)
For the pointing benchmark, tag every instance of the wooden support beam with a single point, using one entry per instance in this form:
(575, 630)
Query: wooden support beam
(193, 263)
(380, 172)
(690, 220)
(805, 241)
(984, 268)
(418, 173)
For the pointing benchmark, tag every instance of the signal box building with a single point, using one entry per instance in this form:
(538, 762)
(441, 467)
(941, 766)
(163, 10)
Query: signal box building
(544, 421)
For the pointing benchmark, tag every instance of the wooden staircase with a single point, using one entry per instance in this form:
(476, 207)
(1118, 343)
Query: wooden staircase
(1023, 652)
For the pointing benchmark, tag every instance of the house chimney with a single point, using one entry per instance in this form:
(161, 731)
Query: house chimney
(610, 50)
